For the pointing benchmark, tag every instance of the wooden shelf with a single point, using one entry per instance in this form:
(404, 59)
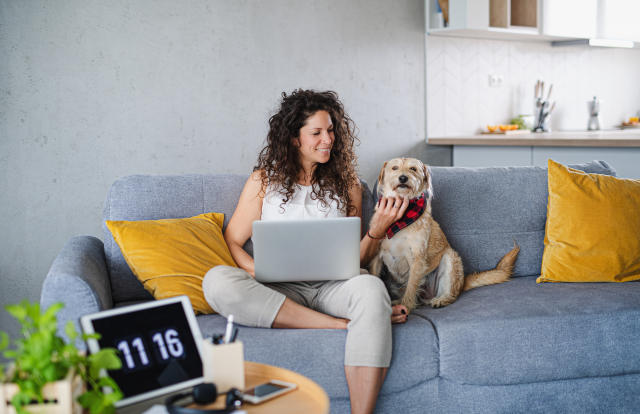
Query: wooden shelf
(496, 33)
(524, 13)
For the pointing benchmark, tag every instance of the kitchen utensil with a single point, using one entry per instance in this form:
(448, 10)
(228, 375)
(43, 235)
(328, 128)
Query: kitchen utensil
(544, 107)
(444, 6)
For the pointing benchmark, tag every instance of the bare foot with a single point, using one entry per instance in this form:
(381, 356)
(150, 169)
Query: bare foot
(399, 314)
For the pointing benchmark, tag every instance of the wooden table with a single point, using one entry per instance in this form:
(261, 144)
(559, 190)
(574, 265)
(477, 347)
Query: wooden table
(308, 398)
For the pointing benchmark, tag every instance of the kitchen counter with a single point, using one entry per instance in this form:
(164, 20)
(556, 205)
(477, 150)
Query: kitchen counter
(603, 138)
(620, 148)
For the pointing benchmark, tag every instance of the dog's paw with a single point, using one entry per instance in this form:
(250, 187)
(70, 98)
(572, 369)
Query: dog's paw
(408, 303)
(441, 301)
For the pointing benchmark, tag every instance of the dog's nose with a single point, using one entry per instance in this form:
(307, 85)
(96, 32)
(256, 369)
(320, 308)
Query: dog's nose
(403, 179)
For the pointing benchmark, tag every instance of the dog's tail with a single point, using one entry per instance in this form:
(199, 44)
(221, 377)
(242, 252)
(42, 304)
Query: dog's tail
(500, 274)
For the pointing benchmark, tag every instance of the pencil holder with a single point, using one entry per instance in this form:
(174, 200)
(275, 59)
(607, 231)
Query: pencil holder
(224, 365)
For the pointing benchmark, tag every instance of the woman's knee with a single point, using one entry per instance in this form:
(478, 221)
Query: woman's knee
(221, 286)
(370, 292)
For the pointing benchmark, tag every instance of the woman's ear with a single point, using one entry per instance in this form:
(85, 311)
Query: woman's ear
(296, 142)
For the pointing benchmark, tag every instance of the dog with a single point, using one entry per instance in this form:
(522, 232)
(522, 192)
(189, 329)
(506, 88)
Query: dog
(422, 268)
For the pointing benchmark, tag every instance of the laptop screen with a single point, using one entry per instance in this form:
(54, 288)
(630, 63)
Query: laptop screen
(158, 343)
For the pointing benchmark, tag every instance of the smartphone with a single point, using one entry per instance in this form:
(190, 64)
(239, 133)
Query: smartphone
(267, 391)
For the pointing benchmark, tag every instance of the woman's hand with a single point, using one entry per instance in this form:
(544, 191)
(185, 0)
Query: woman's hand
(388, 211)
(399, 314)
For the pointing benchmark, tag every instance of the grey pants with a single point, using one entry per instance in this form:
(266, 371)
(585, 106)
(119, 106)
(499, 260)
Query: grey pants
(362, 299)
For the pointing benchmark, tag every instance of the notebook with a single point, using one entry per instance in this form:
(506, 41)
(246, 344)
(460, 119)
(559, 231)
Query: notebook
(160, 346)
(306, 250)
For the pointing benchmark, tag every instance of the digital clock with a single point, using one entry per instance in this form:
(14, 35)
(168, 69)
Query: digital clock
(158, 342)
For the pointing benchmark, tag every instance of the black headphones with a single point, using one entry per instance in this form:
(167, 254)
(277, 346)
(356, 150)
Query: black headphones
(204, 393)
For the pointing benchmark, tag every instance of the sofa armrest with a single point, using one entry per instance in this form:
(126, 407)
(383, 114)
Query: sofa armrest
(78, 278)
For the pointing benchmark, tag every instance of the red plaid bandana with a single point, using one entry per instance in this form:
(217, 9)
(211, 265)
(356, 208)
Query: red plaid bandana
(411, 214)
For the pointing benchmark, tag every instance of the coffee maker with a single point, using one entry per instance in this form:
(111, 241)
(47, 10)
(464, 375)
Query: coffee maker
(594, 110)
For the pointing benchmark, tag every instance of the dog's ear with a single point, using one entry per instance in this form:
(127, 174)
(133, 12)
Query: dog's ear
(381, 179)
(427, 180)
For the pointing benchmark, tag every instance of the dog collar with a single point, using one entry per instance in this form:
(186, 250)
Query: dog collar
(414, 211)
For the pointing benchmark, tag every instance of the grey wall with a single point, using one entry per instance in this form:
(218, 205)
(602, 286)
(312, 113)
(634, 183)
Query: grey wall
(94, 90)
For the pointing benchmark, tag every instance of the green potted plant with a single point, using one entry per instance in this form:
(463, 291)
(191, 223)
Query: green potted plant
(40, 360)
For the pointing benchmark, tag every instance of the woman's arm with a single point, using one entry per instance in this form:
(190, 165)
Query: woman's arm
(388, 211)
(248, 210)
(385, 215)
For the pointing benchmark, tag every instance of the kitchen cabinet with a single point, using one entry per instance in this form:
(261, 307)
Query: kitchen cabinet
(618, 19)
(587, 19)
(543, 20)
(493, 19)
(570, 18)
(623, 160)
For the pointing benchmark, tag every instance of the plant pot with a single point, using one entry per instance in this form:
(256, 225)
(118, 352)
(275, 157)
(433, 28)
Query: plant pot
(60, 396)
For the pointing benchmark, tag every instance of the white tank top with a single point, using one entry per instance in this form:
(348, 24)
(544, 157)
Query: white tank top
(300, 206)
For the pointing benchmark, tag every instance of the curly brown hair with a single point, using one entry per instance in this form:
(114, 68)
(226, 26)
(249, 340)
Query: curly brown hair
(279, 162)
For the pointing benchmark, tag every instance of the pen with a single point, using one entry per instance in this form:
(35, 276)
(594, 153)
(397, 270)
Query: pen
(229, 330)
(234, 334)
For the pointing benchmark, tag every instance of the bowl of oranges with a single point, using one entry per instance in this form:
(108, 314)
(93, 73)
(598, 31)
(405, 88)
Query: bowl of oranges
(634, 122)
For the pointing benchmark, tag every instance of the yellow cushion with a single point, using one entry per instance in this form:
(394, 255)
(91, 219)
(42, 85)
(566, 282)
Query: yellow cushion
(593, 228)
(170, 257)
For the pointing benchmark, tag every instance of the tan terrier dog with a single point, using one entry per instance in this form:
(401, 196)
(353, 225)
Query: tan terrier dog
(423, 268)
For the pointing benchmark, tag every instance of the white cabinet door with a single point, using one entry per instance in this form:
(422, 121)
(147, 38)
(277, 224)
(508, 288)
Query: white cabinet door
(619, 19)
(626, 161)
(570, 18)
(481, 156)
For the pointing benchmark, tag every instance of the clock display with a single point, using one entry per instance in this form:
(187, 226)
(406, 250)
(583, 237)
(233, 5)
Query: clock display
(135, 353)
(155, 346)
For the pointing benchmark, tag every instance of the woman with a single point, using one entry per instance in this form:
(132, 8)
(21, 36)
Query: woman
(307, 170)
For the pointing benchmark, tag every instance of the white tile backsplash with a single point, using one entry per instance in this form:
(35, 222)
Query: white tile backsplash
(460, 100)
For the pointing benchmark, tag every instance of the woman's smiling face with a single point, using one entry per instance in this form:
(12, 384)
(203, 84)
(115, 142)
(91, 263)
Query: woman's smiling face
(315, 140)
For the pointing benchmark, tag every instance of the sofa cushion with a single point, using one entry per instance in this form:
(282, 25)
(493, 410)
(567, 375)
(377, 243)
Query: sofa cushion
(523, 332)
(149, 197)
(319, 353)
(483, 210)
(171, 256)
(591, 235)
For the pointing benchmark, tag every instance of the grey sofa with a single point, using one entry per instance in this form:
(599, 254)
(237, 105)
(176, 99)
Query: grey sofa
(509, 348)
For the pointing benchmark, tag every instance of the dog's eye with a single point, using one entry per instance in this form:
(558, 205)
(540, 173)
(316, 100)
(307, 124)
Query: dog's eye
(395, 167)
(413, 169)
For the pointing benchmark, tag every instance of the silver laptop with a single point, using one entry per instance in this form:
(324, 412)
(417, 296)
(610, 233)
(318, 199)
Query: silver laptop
(306, 250)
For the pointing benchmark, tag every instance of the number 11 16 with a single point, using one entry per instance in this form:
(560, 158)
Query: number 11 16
(167, 343)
